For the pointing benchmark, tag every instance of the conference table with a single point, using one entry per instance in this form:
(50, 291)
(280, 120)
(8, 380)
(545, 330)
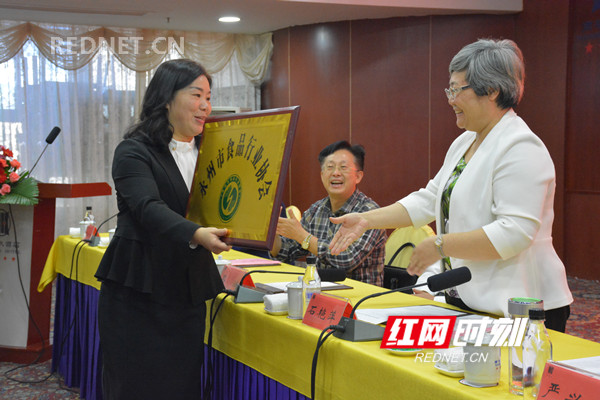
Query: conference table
(258, 355)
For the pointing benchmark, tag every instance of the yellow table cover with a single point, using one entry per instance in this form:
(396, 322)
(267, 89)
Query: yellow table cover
(282, 349)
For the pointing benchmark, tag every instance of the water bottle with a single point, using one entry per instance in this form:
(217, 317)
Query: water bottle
(518, 308)
(88, 219)
(311, 282)
(537, 350)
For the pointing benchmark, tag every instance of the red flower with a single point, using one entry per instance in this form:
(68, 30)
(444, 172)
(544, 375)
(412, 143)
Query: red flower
(7, 152)
(2, 176)
(3, 163)
(13, 177)
(5, 189)
(15, 164)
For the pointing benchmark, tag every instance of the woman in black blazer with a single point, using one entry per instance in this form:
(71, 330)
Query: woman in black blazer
(159, 270)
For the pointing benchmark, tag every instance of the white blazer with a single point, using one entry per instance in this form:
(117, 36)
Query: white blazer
(507, 188)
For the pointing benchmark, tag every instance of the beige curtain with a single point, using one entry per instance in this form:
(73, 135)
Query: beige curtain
(73, 46)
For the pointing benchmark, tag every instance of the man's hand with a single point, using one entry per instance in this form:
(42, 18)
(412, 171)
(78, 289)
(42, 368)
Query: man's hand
(291, 228)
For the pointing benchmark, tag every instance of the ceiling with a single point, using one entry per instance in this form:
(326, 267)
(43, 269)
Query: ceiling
(257, 16)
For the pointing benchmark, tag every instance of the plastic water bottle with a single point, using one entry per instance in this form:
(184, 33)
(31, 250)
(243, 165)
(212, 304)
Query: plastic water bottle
(89, 217)
(311, 283)
(537, 350)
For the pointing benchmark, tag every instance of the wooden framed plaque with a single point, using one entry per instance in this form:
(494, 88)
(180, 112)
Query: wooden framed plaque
(240, 171)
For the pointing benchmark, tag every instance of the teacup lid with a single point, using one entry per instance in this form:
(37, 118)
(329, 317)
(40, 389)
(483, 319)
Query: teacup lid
(521, 305)
(294, 285)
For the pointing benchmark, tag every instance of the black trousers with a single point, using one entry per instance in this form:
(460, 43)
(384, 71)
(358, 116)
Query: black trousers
(556, 319)
(150, 351)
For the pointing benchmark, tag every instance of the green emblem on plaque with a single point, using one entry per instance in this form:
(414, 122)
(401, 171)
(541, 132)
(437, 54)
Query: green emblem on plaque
(230, 197)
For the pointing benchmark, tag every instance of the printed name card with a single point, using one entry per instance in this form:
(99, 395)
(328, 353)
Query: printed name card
(561, 382)
(232, 276)
(325, 309)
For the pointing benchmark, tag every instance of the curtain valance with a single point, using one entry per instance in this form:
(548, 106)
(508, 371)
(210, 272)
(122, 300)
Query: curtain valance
(72, 46)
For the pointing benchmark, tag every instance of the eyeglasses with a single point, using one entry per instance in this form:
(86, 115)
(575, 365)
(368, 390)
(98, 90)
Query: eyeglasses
(330, 168)
(452, 92)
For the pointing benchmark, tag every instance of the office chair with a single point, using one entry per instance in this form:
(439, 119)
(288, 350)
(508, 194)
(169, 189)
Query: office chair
(398, 250)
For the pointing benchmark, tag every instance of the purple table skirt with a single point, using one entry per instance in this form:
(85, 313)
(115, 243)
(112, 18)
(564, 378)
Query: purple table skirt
(77, 358)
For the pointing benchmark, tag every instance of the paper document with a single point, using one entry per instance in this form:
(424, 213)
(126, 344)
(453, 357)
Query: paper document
(589, 364)
(283, 285)
(380, 315)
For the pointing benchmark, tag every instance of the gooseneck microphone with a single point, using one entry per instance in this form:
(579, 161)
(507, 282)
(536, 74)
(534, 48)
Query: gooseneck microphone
(435, 283)
(331, 274)
(49, 140)
(326, 274)
(95, 238)
(244, 294)
(360, 331)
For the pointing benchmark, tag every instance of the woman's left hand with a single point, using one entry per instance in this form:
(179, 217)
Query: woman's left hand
(210, 239)
(423, 256)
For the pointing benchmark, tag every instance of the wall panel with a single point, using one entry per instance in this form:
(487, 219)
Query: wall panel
(320, 83)
(583, 251)
(390, 110)
(582, 211)
(449, 34)
(380, 83)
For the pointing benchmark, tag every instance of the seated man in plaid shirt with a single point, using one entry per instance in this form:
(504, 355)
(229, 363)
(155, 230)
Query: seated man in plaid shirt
(341, 171)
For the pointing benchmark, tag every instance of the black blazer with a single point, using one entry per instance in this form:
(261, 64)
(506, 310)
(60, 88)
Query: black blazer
(150, 250)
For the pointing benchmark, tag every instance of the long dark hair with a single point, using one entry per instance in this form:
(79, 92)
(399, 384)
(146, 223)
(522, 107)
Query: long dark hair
(169, 77)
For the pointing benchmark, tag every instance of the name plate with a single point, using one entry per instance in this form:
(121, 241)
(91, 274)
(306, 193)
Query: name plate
(232, 277)
(561, 382)
(325, 309)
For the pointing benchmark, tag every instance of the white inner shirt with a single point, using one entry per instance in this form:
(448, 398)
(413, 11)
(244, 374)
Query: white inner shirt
(185, 155)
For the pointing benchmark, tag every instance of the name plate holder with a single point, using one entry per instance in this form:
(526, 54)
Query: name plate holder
(232, 277)
(326, 309)
(562, 381)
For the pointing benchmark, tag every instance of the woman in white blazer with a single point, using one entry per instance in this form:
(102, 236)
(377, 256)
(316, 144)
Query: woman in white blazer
(492, 200)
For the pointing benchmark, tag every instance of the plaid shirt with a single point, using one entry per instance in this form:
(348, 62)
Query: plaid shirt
(363, 260)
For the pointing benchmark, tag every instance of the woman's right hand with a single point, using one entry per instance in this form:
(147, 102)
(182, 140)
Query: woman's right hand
(353, 226)
(423, 294)
(210, 239)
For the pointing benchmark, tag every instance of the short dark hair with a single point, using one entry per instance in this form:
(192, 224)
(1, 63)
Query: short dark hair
(357, 151)
(169, 77)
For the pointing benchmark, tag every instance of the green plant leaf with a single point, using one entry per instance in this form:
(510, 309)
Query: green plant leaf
(24, 193)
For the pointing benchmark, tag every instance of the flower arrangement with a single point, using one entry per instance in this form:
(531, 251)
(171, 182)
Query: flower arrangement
(14, 188)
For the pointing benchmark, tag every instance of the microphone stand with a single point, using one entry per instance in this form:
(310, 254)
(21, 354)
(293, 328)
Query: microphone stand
(402, 289)
(49, 140)
(359, 331)
(95, 239)
(245, 294)
(356, 330)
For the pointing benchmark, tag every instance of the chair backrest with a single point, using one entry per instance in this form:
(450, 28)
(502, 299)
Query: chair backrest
(398, 247)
